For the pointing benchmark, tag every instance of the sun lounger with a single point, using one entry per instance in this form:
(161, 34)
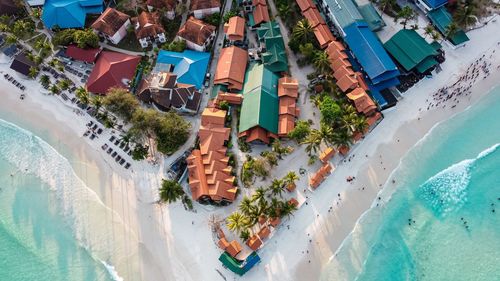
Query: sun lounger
(122, 161)
(129, 153)
(114, 154)
(117, 142)
(127, 165)
(122, 145)
(92, 136)
(109, 150)
(112, 138)
(118, 158)
(99, 131)
(104, 146)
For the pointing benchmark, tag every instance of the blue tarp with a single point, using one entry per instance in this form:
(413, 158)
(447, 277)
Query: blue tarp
(433, 4)
(370, 53)
(189, 66)
(69, 13)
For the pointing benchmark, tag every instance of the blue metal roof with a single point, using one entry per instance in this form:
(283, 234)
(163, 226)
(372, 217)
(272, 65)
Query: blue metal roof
(370, 53)
(189, 66)
(435, 3)
(69, 13)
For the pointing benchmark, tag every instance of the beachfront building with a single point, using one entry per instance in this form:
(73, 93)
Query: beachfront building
(189, 66)
(112, 70)
(112, 25)
(168, 6)
(84, 55)
(235, 29)
(288, 92)
(321, 30)
(9, 7)
(260, 107)
(273, 55)
(317, 178)
(363, 103)
(441, 19)
(162, 90)
(148, 29)
(259, 13)
(412, 52)
(197, 34)
(22, 65)
(204, 8)
(231, 68)
(429, 5)
(69, 13)
(210, 175)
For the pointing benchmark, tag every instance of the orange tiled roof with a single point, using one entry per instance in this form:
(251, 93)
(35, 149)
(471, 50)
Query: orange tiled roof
(234, 248)
(334, 54)
(304, 5)
(196, 31)
(372, 119)
(264, 232)
(229, 98)
(361, 81)
(274, 222)
(209, 174)
(257, 133)
(260, 12)
(339, 62)
(148, 25)
(327, 154)
(362, 101)
(323, 35)
(288, 91)
(343, 71)
(288, 86)
(110, 21)
(347, 82)
(204, 4)
(254, 242)
(320, 175)
(223, 244)
(294, 202)
(313, 17)
(235, 29)
(344, 150)
(286, 124)
(231, 68)
(336, 45)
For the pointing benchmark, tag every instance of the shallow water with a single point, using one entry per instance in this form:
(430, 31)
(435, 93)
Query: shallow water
(52, 226)
(443, 220)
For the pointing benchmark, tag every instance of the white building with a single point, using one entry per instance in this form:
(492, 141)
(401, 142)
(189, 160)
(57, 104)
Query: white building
(112, 25)
(197, 34)
(204, 8)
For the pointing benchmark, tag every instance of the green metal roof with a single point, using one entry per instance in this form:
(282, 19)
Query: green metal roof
(275, 57)
(372, 17)
(260, 99)
(411, 50)
(441, 20)
(426, 64)
(345, 12)
(436, 46)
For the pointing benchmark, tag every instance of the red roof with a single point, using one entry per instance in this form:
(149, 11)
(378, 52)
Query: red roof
(112, 69)
(85, 55)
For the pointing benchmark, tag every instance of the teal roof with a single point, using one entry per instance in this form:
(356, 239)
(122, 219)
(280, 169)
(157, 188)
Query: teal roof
(436, 46)
(411, 50)
(345, 12)
(239, 267)
(372, 17)
(260, 99)
(275, 57)
(441, 19)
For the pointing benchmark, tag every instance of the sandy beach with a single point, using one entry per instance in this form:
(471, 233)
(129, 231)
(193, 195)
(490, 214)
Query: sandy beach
(158, 242)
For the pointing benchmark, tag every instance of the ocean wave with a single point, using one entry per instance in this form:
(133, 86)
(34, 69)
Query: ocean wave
(80, 206)
(112, 272)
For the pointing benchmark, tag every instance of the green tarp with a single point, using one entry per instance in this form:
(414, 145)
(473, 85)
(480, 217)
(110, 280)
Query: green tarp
(411, 50)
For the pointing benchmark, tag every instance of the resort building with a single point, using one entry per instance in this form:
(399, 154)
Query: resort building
(9, 7)
(235, 29)
(321, 30)
(162, 90)
(112, 25)
(210, 176)
(189, 66)
(441, 19)
(168, 6)
(69, 13)
(412, 52)
(111, 70)
(363, 103)
(316, 179)
(204, 8)
(260, 107)
(148, 29)
(288, 92)
(231, 68)
(197, 34)
(22, 64)
(428, 5)
(83, 55)
(259, 14)
(273, 55)
(327, 154)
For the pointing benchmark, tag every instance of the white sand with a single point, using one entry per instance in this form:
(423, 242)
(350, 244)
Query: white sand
(169, 243)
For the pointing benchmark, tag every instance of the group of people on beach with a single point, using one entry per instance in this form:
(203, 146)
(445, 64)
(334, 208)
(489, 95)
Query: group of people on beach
(480, 69)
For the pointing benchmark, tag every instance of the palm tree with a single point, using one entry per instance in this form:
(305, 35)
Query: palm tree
(259, 195)
(342, 138)
(96, 101)
(33, 72)
(82, 95)
(451, 30)
(288, 209)
(170, 191)
(64, 84)
(313, 141)
(428, 30)
(237, 222)
(360, 124)
(290, 179)
(326, 133)
(466, 14)
(54, 89)
(303, 32)
(274, 209)
(406, 14)
(386, 4)
(277, 187)
(45, 80)
(321, 62)
(246, 206)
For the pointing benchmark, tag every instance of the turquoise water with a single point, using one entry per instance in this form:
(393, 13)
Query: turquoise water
(443, 221)
(42, 221)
